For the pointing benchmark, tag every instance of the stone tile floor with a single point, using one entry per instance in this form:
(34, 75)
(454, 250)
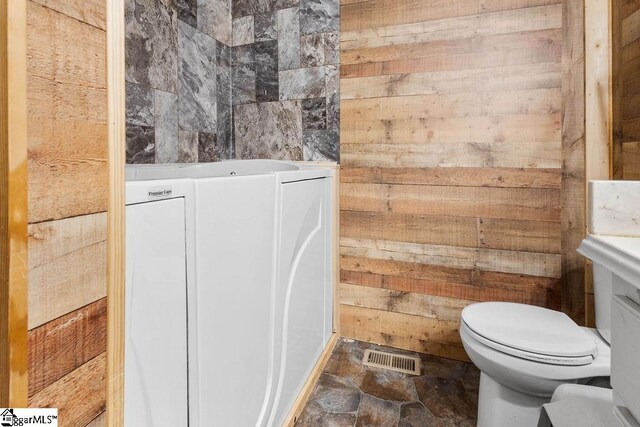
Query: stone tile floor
(351, 394)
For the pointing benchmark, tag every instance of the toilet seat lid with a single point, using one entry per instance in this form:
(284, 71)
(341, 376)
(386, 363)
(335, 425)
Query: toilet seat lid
(529, 328)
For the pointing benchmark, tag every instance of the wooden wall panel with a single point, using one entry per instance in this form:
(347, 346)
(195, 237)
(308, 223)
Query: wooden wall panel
(66, 343)
(416, 333)
(67, 105)
(79, 395)
(67, 266)
(67, 181)
(460, 144)
(91, 12)
(626, 88)
(99, 421)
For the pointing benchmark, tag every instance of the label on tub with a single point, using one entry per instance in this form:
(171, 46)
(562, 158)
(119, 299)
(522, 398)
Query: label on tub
(160, 192)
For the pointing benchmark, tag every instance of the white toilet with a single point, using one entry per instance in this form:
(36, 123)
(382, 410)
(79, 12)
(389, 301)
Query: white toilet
(525, 352)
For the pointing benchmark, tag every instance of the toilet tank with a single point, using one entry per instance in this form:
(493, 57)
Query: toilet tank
(602, 292)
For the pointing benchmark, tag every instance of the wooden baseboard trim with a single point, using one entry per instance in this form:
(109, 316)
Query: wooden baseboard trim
(301, 401)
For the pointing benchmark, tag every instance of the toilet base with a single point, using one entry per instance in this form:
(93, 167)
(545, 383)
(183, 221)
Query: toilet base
(500, 406)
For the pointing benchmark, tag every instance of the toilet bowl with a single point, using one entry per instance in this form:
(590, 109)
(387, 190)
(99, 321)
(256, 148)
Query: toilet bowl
(525, 352)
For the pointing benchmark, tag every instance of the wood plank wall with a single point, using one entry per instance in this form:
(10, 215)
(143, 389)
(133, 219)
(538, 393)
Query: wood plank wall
(67, 180)
(626, 88)
(462, 152)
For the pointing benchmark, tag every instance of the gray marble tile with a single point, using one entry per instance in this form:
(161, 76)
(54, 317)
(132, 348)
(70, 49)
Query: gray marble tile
(187, 146)
(188, 11)
(243, 30)
(332, 93)
(262, 6)
(207, 148)
(224, 102)
(225, 134)
(197, 80)
(244, 74)
(214, 18)
(139, 103)
(250, 7)
(210, 149)
(140, 144)
(246, 131)
(270, 130)
(151, 43)
(284, 4)
(265, 26)
(321, 145)
(241, 8)
(332, 48)
(288, 38)
(166, 132)
(223, 69)
(266, 71)
(312, 50)
(319, 16)
(314, 114)
(302, 83)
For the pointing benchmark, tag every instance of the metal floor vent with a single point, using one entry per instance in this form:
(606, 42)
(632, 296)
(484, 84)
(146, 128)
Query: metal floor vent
(392, 362)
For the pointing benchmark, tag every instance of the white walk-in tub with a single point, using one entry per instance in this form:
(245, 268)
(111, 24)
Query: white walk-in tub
(259, 286)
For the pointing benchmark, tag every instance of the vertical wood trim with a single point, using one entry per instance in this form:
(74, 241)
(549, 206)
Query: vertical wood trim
(13, 204)
(617, 85)
(598, 84)
(573, 158)
(115, 213)
(598, 112)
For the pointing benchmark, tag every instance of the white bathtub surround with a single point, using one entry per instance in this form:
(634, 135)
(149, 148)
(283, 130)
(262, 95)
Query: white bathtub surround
(159, 288)
(614, 208)
(260, 296)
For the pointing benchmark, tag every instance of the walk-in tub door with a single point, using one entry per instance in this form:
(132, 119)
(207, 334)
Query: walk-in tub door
(300, 289)
(235, 220)
(156, 315)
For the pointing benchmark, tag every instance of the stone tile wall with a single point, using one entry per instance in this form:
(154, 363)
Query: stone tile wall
(285, 89)
(178, 72)
(209, 80)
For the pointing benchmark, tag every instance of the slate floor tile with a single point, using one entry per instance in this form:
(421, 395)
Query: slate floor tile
(377, 412)
(351, 394)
